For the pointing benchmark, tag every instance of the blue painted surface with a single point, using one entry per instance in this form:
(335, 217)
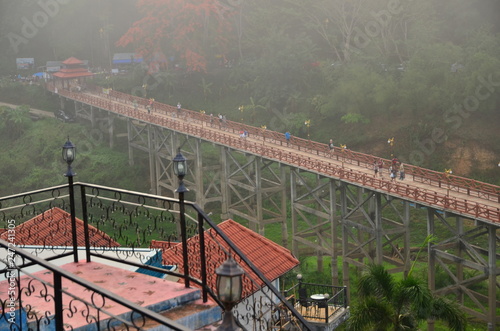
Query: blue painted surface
(13, 320)
(155, 261)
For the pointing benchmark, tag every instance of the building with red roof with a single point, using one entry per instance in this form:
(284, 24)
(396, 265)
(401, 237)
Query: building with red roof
(53, 228)
(73, 72)
(270, 258)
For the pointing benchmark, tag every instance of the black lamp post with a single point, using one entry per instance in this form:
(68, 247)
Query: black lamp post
(68, 155)
(180, 170)
(390, 141)
(229, 288)
(448, 172)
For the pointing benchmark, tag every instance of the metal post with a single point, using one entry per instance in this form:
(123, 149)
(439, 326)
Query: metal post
(85, 223)
(58, 302)
(73, 218)
(203, 267)
(185, 258)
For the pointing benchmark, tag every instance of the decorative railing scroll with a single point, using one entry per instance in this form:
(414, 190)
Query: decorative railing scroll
(120, 226)
(39, 302)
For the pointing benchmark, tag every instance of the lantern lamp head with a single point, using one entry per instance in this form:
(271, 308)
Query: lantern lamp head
(69, 155)
(229, 282)
(180, 165)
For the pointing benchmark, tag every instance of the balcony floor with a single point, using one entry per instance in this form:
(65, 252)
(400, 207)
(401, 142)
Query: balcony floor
(315, 315)
(146, 291)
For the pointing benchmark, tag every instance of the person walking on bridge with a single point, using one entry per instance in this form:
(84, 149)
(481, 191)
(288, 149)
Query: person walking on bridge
(331, 147)
(380, 167)
(179, 108)
(401, 172)
(287, 137)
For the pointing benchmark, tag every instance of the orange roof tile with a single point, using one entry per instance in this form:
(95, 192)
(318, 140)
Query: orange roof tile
(270, 258)
(72, 60)
(53, 228)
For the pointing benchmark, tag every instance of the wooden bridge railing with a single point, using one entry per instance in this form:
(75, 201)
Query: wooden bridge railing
(166, 116)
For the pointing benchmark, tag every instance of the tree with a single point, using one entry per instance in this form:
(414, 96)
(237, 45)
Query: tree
(336, 22)
(193, 29)
(15, 120)
(387, 304)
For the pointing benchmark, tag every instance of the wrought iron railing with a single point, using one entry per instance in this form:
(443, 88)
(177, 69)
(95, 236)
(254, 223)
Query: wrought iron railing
(117, 225)
(318, 302)
(59, 305)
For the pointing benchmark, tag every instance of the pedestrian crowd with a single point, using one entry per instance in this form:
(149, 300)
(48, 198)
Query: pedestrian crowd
(396, 167)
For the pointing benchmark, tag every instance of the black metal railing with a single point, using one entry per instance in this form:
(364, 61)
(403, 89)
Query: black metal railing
(317, 302)
(118, 225)
(59, 306)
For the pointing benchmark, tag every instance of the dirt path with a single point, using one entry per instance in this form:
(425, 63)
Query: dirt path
(34, 111)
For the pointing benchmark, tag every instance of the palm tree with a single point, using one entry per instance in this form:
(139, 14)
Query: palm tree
(387, 304)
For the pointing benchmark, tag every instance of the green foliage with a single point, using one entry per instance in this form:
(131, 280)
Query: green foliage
(33, 160)
(351, 118)
(14, 121)
(387, 304)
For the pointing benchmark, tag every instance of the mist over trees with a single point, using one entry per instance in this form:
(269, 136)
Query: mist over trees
(349, 65)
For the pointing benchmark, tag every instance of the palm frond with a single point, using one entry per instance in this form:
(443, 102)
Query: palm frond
(376, 281)
(449, 312)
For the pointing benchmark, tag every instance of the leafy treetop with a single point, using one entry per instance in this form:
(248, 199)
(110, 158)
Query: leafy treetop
(186, 28)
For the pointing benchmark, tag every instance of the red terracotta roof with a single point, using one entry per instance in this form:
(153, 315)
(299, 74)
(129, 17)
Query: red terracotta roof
(73, 68)
(270, 258)
(72, 60)
(53, 228)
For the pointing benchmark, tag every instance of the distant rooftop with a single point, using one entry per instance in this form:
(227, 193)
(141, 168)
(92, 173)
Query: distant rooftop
(126, 58)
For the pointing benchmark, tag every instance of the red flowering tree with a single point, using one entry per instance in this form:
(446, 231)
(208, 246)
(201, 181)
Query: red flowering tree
(194, 29)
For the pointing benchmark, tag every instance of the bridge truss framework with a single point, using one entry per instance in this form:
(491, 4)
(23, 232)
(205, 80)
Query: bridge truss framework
(348, 224)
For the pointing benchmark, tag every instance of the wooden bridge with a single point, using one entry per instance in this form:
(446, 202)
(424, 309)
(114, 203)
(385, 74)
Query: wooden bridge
(339, 208)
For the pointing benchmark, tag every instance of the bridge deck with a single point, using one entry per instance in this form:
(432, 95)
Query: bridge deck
(456, 194)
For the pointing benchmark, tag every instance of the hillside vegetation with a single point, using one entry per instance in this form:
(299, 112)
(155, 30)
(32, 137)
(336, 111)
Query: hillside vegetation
(362, 71)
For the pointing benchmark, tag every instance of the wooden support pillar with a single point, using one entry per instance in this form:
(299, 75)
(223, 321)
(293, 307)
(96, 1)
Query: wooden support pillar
(492, 276)
(111, 129)
(431, 270)
(379, 231)
(198, 168)
(334, 234)
(92, 117)
(345, 238)
(406, 239)
(152, 161)
(129, 141)
(284, 221)
(259, 217)
(295, 226)
(226, 200)
(460, 253)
